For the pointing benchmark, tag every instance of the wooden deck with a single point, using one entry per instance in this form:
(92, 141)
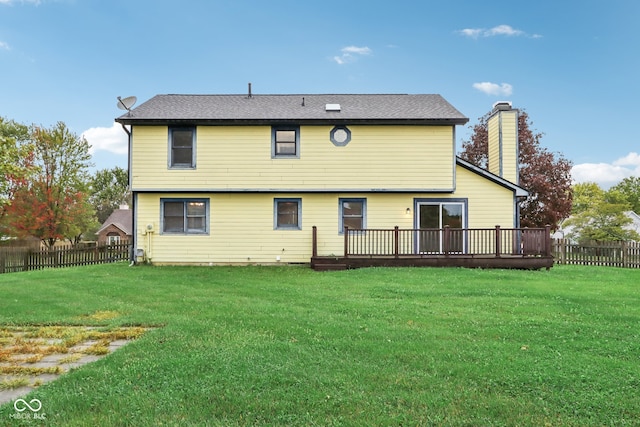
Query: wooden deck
(519, 248)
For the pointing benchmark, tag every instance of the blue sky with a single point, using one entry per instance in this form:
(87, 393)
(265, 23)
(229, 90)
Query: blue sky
(574, 65)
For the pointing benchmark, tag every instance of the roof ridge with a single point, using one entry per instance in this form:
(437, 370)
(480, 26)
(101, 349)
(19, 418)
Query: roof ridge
(299, 94)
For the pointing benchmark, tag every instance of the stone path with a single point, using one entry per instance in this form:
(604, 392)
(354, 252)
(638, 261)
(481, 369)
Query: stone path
(28, 361)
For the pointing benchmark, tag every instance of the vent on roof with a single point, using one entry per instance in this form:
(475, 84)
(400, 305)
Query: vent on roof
(332, 107)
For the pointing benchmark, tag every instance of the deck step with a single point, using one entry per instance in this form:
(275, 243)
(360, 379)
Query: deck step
(330, 267)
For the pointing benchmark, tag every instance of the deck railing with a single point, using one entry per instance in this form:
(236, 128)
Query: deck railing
(396, 242)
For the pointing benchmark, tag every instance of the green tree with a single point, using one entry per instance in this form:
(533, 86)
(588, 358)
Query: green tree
(630, 188)
(16, 161)
(109, 190)
(585, 195)
(52, 204)
(547, 176)
(599, 215)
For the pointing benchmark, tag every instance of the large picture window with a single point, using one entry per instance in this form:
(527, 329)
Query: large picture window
(287, 214)
(182, 141)
(353, 213)
(185, 216)
(285, 142)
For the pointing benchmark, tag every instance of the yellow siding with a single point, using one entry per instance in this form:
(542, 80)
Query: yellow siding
(510, 145)
(238, 158)
(493, 130)
(488, 204)
(241, 224)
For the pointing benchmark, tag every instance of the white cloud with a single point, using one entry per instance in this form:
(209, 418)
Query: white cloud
(11, 2)
(607, 174)
(358, 50)
(472, 32)
(3, 45)
(499, 30)
(113, 139)
(351, 53)
(504, 89)
(503, 30)
(631, 159)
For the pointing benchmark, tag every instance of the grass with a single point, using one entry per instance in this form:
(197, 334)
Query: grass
(288, 346)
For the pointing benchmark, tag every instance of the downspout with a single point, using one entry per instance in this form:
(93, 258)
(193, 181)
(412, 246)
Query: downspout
(132, 252)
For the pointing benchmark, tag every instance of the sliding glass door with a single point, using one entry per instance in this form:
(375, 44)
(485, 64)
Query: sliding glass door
(432, 218)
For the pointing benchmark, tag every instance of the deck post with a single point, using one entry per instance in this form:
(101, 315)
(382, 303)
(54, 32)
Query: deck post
(346, 241)
(314, 241)
(446, 240)
(396, 241)
(498, 243)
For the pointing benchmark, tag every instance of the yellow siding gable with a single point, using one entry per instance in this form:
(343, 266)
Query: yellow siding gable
(489, 204)
(238, 158)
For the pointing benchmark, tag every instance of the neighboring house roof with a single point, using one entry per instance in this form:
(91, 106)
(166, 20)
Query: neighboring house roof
(256, 109)
(121, 218)
(519, 191)
(635, 221)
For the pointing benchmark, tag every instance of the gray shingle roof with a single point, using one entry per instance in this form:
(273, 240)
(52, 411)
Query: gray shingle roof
(121, 218)
(272, 108)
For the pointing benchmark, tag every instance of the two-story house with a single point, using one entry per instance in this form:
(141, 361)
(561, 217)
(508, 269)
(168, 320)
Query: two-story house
(238, 179)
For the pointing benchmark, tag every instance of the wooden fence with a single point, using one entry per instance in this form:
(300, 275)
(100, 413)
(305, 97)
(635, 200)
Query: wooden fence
(14, 259)
(612, 254)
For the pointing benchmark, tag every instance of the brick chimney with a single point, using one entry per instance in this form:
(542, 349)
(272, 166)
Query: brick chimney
(502, 127)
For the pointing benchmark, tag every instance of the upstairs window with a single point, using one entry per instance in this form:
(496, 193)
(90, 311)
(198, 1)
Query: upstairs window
(285, 142)
(186, 216)
(182, 141)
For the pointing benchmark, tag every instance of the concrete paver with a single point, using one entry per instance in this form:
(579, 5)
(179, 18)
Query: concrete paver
(75, 357)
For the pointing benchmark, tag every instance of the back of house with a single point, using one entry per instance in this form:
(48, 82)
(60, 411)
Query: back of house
(237, 179)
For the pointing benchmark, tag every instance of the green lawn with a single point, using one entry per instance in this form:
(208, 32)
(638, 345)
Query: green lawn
(290, 346)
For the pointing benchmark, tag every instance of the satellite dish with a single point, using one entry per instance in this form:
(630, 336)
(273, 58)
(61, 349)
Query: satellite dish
(126, 103)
